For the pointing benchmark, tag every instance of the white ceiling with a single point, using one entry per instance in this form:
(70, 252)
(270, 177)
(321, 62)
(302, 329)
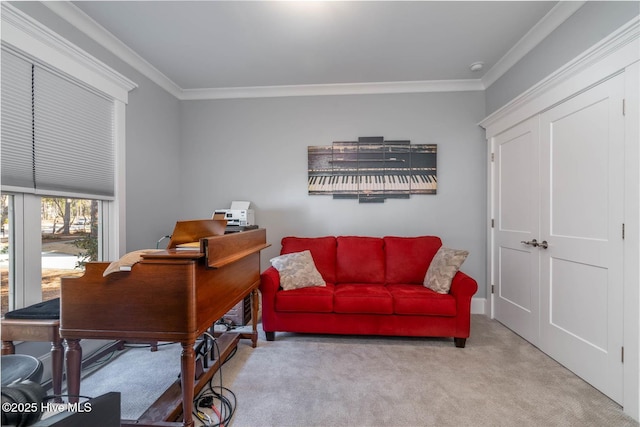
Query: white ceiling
(192, 47)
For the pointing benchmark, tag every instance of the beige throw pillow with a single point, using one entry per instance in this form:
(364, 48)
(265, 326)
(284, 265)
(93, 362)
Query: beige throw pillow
(297, 270)
(443, 267)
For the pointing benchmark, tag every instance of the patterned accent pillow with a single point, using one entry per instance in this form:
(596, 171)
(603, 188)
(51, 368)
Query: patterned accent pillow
(443, 267)
(297, 270)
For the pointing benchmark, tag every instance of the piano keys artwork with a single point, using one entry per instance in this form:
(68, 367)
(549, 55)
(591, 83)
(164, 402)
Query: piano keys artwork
(372, 169)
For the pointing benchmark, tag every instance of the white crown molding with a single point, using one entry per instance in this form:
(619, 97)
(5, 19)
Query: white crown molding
(76, 17)
(552, 20)
(26, 36)
(95, 31)
(334, 89)
(604, 59)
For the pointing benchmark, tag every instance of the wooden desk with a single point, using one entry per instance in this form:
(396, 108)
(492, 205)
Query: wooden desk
(171, 295)
(37, 330)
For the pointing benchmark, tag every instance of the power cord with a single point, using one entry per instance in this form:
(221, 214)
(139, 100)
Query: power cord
(149, 345)
(168, 236)
(228, 325)
(226, 398)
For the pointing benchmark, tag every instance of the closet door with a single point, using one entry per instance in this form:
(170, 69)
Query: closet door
(515, 257)
(582, 178)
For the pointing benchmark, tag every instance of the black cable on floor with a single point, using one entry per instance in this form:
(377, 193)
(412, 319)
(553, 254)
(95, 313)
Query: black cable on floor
(227, 399)
(148, 345)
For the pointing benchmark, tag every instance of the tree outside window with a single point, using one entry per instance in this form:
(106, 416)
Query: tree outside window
(70, 236)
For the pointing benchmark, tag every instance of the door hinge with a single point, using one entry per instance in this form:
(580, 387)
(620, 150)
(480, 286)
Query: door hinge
(493, 157)
(623, 231)
(622, 354)
(624, 107)
(493, 288)
(492, 222)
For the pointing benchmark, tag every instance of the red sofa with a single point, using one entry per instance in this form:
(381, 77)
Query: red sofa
(374, 286)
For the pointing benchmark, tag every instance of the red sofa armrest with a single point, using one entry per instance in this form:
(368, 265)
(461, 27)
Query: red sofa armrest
(269, 281)
(269, 285)
(463, 287)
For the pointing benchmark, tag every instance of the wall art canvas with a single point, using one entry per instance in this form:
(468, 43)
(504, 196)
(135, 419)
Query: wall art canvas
(372, 169)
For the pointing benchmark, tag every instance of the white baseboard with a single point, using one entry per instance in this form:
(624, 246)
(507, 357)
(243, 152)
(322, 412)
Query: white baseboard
(478, 305)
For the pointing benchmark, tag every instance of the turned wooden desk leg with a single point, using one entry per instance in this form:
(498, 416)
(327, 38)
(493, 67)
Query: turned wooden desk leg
(8, 347)
(254, 317)
(74, 365)
(57, 365)
(187, 380)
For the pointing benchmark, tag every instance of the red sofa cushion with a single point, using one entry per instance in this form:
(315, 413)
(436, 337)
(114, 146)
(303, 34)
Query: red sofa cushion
(362, 298)
(316, 299)
(417, 299)
(323, 251)
(359, 260)
(408, 258)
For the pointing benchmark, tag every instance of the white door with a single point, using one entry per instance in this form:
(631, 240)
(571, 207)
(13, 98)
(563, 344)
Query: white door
(582, 179)
(516, 258)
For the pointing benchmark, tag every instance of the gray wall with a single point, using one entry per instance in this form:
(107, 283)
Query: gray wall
(586, 27)
(153, 162)
(185, 159)
(256, 150)
(153, 144)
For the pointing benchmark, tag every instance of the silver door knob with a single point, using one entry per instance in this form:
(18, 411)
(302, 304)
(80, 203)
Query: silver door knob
(532, 242)
(544, 244)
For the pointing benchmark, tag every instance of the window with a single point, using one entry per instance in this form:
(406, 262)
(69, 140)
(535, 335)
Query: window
(70, 236)
(57, 135)
(62, 160)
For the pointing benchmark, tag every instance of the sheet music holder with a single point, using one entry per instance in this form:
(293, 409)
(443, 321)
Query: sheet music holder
(194, 230)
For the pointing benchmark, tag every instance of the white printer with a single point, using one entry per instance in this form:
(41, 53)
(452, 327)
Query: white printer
(238, 215)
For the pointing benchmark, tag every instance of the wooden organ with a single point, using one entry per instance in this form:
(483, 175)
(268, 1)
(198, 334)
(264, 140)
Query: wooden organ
(169, 295)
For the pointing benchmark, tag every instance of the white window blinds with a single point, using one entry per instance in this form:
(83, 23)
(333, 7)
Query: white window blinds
(16, 145)
(57, 136)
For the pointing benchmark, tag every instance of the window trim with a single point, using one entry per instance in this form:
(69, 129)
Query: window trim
(25, 228)
(26, 36)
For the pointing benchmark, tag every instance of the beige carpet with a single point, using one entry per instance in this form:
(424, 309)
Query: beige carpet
(321, 380)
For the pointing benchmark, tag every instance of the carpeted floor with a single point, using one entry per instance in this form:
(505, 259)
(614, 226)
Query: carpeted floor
(320, 380)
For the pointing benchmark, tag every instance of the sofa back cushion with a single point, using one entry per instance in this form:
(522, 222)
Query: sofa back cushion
(408, 258)
(323, 251)
(360, 260)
